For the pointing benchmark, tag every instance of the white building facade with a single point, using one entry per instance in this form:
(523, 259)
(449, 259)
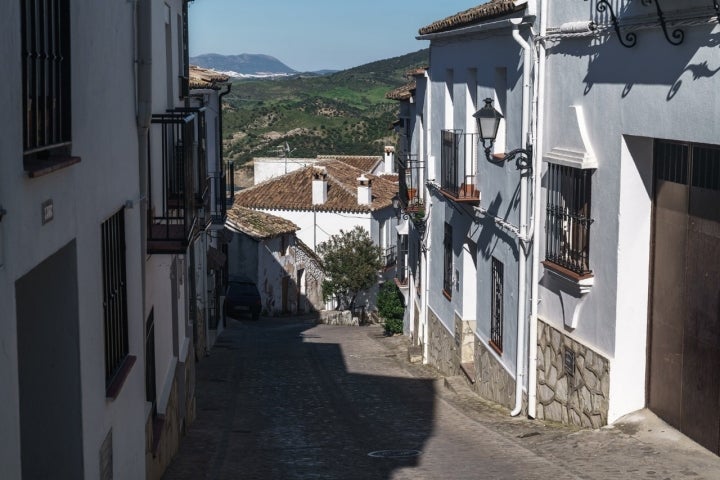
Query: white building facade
(579, 286)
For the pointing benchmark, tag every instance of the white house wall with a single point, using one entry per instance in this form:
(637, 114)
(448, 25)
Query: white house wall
(265, 168)
(629, 96)
(475, 59)
(318, 227)
(105, 137)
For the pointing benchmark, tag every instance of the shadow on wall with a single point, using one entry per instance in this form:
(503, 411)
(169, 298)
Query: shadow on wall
(280, 402)
(651, 60)
(491, 233)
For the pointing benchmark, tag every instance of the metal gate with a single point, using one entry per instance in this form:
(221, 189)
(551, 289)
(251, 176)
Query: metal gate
(684, 384)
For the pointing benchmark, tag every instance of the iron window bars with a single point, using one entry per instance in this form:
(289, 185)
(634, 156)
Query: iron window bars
(496, 304)
(46, 76)
(568, 221)
(458, 164)
(447, 261)
(114, 294)
(410, 175)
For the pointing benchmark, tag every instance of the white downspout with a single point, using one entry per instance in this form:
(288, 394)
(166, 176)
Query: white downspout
(428, 198)
(522, 241)
(537, 171)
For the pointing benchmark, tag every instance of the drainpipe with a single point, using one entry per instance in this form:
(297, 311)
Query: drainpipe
(522, 241)
(428, 199)
(537, 169)
(143, 77)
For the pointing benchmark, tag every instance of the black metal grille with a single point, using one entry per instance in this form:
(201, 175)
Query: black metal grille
(706, 167)
(686, 163)
(410, 174)
(172, 214)
(568, 218)
(150, 390)
(114, 294)
(496, 305)
(46, 74)
(671, 163)
(447, 260)
(459, 164)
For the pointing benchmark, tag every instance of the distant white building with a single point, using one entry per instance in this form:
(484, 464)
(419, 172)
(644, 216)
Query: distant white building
(265, 250)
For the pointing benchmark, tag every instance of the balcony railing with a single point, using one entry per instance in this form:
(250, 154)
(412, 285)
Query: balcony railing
(458, 166)
(171, 207)
(411, 176)
(201, 186)
(389, 256)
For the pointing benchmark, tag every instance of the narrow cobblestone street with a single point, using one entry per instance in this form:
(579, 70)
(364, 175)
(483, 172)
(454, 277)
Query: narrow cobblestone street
(288, 399)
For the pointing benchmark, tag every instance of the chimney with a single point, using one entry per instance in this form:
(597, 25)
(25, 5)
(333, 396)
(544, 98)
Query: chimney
(364, 190)
(389, 160)
(319, 185)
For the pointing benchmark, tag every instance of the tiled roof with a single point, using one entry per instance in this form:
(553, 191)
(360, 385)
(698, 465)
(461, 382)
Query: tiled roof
(258, 225)
(402, 93)
(366, 163)
(486, 11)
(417, 71)
(293, 191)
(206, 78)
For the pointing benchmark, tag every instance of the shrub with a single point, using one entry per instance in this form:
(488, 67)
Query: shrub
(391, 307)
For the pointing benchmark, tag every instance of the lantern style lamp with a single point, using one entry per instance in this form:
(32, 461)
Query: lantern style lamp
(488, 121)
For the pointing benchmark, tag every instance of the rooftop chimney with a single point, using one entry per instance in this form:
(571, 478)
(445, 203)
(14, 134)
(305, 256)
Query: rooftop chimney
(364, 190)
(389, 160)
(319, 185)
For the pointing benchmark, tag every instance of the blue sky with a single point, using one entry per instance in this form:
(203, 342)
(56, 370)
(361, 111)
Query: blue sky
(310, 35)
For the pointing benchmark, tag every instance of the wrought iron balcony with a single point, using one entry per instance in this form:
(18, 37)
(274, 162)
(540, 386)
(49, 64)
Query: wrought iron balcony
(171, 179)
(389, 256)
(410, 185)
(458, 166)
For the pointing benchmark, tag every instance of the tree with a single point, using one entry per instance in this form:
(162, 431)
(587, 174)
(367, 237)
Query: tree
(352, 263)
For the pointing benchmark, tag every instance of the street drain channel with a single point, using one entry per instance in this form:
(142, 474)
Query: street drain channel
(394, 453)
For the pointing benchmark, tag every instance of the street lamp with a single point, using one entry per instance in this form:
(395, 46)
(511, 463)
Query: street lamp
(488, 121)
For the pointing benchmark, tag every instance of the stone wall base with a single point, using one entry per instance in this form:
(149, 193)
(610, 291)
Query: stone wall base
(443, 352)
(334, 317)
(492, 381)
(163, 432)
(573, 382)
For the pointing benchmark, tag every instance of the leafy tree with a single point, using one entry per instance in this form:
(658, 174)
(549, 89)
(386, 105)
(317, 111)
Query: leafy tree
(352, 263)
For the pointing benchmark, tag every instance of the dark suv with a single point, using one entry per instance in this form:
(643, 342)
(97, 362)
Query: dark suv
(242, 298)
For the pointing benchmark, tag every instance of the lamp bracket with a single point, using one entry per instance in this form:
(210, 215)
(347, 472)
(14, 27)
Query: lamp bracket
(630, 39)
(522, 162)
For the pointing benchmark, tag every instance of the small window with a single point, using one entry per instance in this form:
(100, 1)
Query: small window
(568, 218)
(496, 305)
(114, 294)
(46, 78)
(447, 261)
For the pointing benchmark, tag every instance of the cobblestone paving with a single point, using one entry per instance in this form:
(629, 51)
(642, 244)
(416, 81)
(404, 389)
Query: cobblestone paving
(288, 399)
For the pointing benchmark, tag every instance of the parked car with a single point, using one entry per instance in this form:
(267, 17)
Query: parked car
(242, 298)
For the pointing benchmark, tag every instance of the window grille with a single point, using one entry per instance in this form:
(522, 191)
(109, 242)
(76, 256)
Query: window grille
(46, 75)
(496, 305)
(449, 156)
(114, 294)
(447, 261)
(568, 218)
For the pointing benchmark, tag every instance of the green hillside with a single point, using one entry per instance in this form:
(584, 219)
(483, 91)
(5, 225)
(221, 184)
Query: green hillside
(343, 113)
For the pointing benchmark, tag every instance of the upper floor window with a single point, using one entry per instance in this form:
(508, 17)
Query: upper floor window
(568, 218)
(46, 77)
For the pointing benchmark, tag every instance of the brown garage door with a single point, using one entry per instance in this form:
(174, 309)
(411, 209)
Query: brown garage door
(684, 376)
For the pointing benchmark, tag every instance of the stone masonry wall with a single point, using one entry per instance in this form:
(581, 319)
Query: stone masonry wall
(492, 381)
(580, 398)
(442, 348)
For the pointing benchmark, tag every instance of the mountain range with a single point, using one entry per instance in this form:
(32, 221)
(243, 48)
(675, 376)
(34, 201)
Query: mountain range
(244, 65)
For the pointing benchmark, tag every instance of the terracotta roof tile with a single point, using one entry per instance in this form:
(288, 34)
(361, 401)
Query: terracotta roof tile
(293, 191)
(417, 71)
(206, 78)
(258, 225)
(402, 93)
(366, 163)
(486, 11)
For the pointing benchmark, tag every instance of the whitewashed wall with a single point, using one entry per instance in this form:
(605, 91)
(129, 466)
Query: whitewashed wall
(265, 168)
(629, 96)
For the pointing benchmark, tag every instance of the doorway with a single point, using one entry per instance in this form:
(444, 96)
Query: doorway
(683, 385)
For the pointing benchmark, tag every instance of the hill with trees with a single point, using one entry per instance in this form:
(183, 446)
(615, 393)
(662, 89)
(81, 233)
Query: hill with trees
(342, 113)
